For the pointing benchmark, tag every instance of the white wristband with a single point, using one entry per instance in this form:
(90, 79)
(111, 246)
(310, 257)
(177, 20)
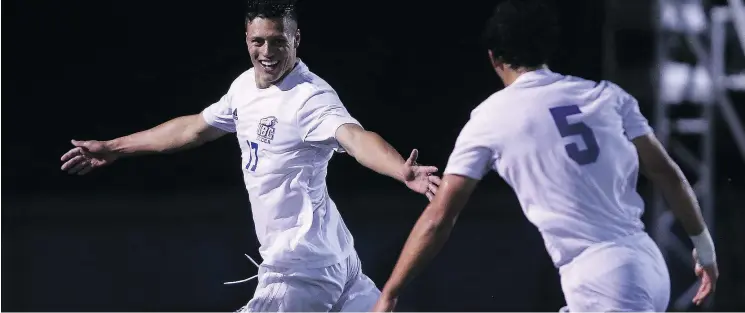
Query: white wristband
(704, 248)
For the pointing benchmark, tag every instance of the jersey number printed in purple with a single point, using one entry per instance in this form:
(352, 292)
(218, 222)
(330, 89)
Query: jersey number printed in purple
(253, 156)
(592, 150)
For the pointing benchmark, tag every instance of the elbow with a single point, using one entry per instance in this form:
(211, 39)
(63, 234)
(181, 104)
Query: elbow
(355, 141)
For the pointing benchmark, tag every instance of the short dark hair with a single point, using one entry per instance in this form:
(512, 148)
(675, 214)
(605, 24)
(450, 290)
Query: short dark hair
(271, 9)
(522, 33)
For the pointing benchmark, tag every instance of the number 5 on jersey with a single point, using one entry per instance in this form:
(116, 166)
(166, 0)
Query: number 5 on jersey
(253, 156)
(592, 151)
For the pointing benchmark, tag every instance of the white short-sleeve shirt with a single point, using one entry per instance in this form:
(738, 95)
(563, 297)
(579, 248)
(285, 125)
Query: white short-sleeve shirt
(563, 144)
(287, 137)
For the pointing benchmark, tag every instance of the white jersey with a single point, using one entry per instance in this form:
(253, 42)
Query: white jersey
(287, 136)
(563, 144)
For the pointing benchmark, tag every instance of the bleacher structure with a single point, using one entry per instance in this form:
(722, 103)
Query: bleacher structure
(691, 78)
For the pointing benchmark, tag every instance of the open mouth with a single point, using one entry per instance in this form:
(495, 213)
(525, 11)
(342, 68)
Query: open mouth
(269, 66)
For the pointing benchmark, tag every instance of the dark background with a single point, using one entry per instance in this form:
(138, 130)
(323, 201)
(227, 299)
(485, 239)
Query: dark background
(161, 233)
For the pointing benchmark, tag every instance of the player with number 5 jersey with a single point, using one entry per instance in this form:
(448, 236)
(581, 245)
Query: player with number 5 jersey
(570, 149)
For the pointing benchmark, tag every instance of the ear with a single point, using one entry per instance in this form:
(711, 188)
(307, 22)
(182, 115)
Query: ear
(297, 38)
(495, 63)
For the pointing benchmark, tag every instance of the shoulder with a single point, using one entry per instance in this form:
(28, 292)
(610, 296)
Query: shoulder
(244, 80)
(603, 89)
(621, 99)
(605, 86)
(302, 80)
(310, 95)
(312, 86)
(574, 85)
(311, 91)
(618, 91)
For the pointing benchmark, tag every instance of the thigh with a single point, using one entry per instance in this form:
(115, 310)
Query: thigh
(296, 290)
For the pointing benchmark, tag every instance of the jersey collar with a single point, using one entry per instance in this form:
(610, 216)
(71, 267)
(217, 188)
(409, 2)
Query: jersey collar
(532, 76)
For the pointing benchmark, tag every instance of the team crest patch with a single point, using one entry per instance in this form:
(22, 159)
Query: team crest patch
(265, 131)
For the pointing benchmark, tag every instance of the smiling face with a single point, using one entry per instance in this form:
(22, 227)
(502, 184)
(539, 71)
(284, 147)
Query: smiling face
(272, 45)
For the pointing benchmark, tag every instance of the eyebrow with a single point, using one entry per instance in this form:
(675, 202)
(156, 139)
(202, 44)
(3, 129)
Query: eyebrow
(268, 37)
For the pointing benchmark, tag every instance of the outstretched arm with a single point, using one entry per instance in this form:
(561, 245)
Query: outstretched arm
(428, 236)
(373, 152)
(177, 134)
(324, 121)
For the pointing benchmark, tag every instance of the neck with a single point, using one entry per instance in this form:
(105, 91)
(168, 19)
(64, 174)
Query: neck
(510, 75)
(263, 84)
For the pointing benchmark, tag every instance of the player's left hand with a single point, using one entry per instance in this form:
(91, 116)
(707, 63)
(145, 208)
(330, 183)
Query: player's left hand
(420, 178)
(384, 304)
(709, 275)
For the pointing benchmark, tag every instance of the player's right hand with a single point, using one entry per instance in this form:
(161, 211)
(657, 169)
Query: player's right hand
(86, 156)
(709, 275)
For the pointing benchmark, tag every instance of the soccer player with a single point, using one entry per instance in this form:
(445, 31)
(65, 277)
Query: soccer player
(570, 148)
(288, 122)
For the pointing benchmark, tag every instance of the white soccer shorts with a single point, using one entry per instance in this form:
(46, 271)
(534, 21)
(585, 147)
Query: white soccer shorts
(337, 288)
(628, 274)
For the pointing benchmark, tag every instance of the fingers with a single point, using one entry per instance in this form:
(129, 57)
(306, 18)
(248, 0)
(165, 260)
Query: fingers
(72, 162)
(430, 195)
(435, 180)
(712, 273)
(412, 158)
(708, 283)
(79, 143)
(432, 188)
(703, 291)
(77, 160)
(428, 169)
(73, 152)
(79, 167)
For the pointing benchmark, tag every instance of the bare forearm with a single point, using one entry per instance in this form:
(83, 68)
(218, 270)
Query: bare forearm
(177, 134)
(427, 238)
(666, 175)
(376, 154)
(681, 199)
